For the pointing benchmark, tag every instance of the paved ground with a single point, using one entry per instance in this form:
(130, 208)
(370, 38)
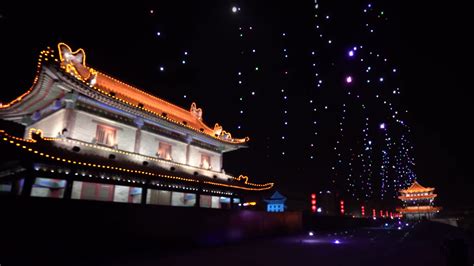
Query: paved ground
(391, 244)
(387, 245)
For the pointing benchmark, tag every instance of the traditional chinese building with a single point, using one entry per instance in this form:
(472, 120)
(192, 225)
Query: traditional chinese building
(418, 202)
(92, 137)
(276, 203)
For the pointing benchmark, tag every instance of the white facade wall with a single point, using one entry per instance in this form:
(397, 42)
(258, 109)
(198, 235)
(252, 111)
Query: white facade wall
(76, 190)
(50, 125)
(195, 158)
(85, 129)
(150, 142)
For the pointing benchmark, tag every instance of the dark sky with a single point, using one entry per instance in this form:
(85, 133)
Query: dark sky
(426, 43)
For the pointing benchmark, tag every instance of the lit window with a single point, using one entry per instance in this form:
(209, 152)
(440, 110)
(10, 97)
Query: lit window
(205, 161)
(164, 151)
(106, 135)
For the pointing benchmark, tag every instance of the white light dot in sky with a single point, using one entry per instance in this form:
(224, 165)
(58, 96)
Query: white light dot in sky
(349, 79)
(234, 9)
(184, 96)
(351, 53)
(162, 68)
(329, 41)
(158, 33)
(185, 53)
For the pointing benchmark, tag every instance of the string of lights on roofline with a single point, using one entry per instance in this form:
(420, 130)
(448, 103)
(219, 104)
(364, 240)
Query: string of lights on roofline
(138, 156)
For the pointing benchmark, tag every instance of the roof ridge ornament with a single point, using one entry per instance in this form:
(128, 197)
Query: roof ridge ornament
(75, 63)
(196, 112)
(217, 130)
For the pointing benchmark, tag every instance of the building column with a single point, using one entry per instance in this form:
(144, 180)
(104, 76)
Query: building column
(68, 189)
(222, 161)
(144, 195)
(70, 112)
(28, 184)
(188, 141)
(138, 134)
(138, 139)
(198, 197)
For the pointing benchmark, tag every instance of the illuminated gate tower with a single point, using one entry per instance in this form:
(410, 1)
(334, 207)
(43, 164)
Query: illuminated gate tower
(418, 202)
(90, 136)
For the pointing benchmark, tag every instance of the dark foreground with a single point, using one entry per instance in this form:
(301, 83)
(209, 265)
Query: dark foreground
(424, 243)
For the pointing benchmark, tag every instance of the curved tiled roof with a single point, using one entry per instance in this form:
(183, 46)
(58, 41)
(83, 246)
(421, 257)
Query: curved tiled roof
(416, 187)
(74, 63)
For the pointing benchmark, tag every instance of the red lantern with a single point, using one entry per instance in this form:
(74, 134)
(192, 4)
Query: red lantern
(313, 202)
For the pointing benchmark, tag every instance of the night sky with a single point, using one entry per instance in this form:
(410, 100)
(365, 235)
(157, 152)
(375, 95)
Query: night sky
(185, 51)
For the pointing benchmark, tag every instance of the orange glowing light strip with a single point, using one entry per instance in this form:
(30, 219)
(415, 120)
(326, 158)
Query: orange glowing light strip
(143, 97)
(73, 72)
(7, 136)
(416, 190)
(418, 197)
(40, 132)
(419, 209)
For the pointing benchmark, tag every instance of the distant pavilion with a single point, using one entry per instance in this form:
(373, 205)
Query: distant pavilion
(418, 202)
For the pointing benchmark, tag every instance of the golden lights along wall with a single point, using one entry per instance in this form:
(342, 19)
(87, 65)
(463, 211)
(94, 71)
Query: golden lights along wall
(22, 143)
(75, 65)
